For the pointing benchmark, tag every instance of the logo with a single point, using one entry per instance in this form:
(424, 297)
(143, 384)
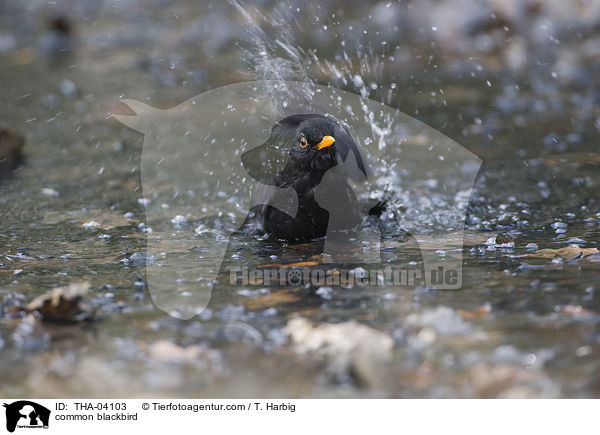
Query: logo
(294, 277)
(211, 168)
(24, 414)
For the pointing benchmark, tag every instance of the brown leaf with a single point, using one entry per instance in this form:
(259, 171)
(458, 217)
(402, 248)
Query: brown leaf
(299, 264)
(502, 239)
(62, 304)
(544, 253)
(482, 311)
(575, 310)
(570, 252)
(321, 258)
(585, 252)
(286, 296)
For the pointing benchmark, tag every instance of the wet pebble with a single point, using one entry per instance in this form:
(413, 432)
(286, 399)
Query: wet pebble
(230, 313)
(118, 146)
(237, 331)
(359, 272)
(350, 349)
(500, 241)
(48, 191)
(179, 220)
(444, 320)
(91, 224)
(29, 336)
(325, 292)
(140, 259)
(68, 88)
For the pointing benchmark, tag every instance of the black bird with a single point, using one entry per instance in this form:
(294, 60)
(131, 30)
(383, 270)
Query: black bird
(314, 144)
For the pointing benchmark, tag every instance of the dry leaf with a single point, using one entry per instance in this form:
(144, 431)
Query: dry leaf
(62, 304)
(575, 310)
(482, 311)
(321, 258)
(299, 264)
(571, 252)
(502, 239)
(286, 296)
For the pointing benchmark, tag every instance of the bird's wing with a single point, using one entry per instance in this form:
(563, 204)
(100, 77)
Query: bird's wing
(344, 143)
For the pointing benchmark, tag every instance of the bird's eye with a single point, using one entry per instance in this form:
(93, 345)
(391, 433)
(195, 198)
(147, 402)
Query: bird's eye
(303, 143)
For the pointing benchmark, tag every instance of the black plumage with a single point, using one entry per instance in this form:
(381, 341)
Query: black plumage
(299, 152)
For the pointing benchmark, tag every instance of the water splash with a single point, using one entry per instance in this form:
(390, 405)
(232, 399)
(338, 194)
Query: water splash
(274, 50)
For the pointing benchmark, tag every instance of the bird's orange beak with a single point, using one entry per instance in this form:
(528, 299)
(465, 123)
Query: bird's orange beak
(326, 142)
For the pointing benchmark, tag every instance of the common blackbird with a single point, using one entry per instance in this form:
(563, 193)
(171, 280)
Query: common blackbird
(314, 144)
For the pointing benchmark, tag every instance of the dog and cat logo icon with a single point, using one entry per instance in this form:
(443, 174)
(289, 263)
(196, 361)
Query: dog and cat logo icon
(25, 414)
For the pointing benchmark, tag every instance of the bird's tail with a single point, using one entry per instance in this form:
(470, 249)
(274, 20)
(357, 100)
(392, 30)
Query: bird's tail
(384, 202)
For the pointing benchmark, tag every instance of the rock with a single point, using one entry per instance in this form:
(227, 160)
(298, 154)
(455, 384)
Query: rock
(11, 145)
(140, 259)
(500, 241)
(91, 224)
(443, 320)
(30, 335)
(68, 88)
(350, 349)
(62, 304)
(491, 380)
(179, 220)
(531, 247)
(491, 241)
(325, 292)
(164, 350)
(48, 191)
(104, 219)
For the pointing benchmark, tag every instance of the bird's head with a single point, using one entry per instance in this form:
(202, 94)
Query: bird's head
(317, 143)
(313, 147)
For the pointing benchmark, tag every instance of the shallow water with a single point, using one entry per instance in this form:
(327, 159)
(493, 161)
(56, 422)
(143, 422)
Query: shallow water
(518, 327)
